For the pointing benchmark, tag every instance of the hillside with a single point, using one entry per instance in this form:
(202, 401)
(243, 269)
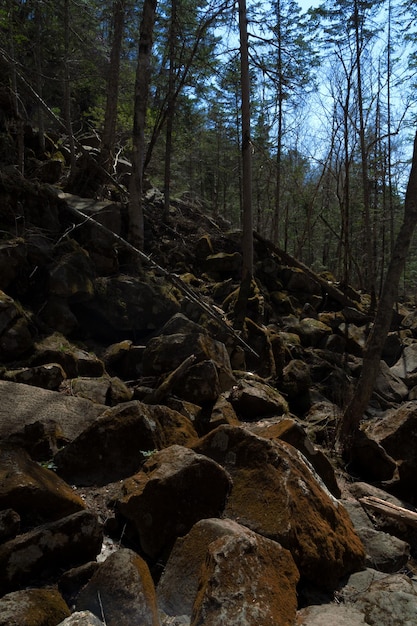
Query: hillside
(160, 467)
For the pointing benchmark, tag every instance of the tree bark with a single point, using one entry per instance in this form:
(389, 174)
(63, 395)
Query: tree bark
(113, 79)
(353, 414)
(143, 72)
(247, 224)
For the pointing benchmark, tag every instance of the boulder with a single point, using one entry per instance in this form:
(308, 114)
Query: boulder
(74, 360)
(290, 430)
(200, 384)
(116, 445)
(312, 332)
(175, 488)
(223, 264)
(407, 363)
(246, 579)
(33, 607)
(277, 494)
(165, 353)
(126, 305)
(382, 599)
(15, 332)
(37, 494)
(71, 276)
(370, 459)
(330, 614)
(13, 254)
(82, 618)
(121, 591)
(48, 376)
(72, 415)
(104, 390)
(189, 554)
(124, 359)
(253, 399)
(9, 524)
(395, 432)
(43, 553)
(389, 389)
(58, 315)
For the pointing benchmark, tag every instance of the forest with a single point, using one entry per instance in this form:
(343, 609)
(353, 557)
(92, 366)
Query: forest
(159, 85)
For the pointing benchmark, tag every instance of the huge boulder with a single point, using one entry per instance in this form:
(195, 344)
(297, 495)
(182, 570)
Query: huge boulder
(395, 432)
(43, 553)
(116, 445)
(33, 607)
(246, 579)
(37, 494)
(37, 405)
(277, 494)
(175, 488)
(277, 578)
(122, 591)
(126, 305)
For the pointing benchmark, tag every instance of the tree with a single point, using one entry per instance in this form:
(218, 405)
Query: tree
(143, 72)
(247, 226)
(113, 79)
(349, 425)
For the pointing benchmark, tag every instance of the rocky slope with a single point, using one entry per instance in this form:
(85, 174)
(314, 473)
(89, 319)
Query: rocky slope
(159, 468)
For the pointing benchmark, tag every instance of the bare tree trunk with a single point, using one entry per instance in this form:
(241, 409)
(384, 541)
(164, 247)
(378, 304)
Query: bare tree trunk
(113, 79)
(353, 414)
(67, 90)
(170, 108)
(143, 71)
(247, 225)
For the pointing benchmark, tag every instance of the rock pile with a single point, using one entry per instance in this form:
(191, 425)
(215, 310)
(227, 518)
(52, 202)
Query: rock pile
(154, 471)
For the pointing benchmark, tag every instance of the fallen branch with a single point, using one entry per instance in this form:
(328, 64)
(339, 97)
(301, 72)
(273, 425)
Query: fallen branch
(388, 509)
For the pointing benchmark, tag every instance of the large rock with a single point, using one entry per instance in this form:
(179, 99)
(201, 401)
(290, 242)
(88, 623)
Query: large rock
(175, 488)
(189, 555)
(33, 607)
(116, 445)
(15, 330)
(277, 494)
(22, 405)
(396, 434)
(252, 400)
(383, 600)
(74, 360)
(12, 260)
(41, 554)
(330, 614)
(290, 430)
(127, 305)
(406, 365)
(165, 353)
(82, 618)
(389, 388)
(246, 579)
(49, 376)
(72, 274)
(37, 494)
(122, 591)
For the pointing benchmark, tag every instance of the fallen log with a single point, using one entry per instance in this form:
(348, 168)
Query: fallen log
(399, 513)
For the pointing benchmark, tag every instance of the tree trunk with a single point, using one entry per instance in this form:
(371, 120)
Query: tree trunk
(350, 422)
(143, 71)
(113, 79)
(247, 225)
